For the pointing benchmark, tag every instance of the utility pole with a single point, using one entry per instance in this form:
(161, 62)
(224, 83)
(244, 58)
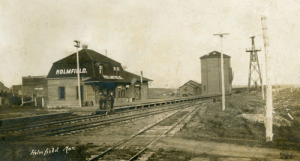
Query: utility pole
(254, 66)
(78, 72)
(222, 71)
(141, 85)
(269, 99)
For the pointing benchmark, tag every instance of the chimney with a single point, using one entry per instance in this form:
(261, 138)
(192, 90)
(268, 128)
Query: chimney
(84, 46)
(141, 77)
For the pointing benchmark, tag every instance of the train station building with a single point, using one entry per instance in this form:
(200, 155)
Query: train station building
(98, 74)
(211, 73)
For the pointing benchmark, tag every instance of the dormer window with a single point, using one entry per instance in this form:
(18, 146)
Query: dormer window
(116, 70)
(100, 69)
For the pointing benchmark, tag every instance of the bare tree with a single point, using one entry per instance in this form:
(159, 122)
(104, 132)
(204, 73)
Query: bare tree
(124, 67)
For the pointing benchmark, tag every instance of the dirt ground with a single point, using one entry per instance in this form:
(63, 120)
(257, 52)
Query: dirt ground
(213, 134)
(21, 111)
(86, 144)
(238, 133)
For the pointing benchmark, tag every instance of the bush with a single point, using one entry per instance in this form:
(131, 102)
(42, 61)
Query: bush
(237, 91)
(286, 155)
(15, 101)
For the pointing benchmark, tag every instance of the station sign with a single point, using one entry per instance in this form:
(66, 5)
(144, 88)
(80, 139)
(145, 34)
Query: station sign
(70, 71)
(112, 77)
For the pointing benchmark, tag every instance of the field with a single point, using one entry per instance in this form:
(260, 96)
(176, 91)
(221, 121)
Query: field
(21, 111)
(155, 93)
(239, 130)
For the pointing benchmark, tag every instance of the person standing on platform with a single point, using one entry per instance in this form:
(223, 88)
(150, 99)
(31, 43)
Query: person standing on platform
(112, 100)
(105, 100)
(101, 101)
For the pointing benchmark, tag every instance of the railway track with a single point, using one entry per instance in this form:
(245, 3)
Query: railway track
(84, 123)
(134, 146)
(11, 127)
(56, 122)
(40, 121)
(68, 118)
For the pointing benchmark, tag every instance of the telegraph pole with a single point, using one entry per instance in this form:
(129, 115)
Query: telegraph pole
(78, 72)
(222, 71)
(269, 101)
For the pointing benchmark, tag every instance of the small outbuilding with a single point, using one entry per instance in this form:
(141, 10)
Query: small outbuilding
(3, 87)
(34, 85)
(16, 90)
(190, 88)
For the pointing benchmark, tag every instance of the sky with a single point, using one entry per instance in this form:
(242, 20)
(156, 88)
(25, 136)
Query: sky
(164, 39)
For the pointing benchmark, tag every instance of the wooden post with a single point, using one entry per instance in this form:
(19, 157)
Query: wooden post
(276, 85)
(43, 102)
(35, 103)
(262, 89)
(141, 85)
(269, 99)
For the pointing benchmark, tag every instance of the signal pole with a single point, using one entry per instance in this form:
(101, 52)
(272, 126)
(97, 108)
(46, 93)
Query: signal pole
(222, 71)
(269, 99)
(78, 72)
(254, 66)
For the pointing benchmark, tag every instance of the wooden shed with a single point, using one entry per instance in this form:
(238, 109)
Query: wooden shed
(190, 88)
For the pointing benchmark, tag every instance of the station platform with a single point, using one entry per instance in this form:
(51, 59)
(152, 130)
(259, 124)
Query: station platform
(118, 106)
(89, 110)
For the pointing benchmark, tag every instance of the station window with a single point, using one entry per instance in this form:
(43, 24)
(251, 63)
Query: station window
(121, 91)
(100, 69)
(61, 93)
(116, 70)
(81, 92)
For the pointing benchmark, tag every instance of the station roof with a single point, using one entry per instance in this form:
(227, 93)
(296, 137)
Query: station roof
(214, 54)
(87, 55)
(89, 68)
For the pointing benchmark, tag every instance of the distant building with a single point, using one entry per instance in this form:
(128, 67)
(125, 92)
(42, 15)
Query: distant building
(211, 73)
(3, 87)
(190, 88)
(34, 85)
(98, 74)
(16, 89)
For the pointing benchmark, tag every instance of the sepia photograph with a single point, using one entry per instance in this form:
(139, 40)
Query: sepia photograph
(159, 80)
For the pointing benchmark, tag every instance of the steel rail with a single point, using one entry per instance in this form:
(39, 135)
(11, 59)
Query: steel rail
(173, 126)
(64, 121)
(111, 121)
(41, 124)
(140, 132)
(102, 122)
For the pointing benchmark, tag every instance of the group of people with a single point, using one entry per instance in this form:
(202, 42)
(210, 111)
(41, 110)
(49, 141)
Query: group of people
(106, 99)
